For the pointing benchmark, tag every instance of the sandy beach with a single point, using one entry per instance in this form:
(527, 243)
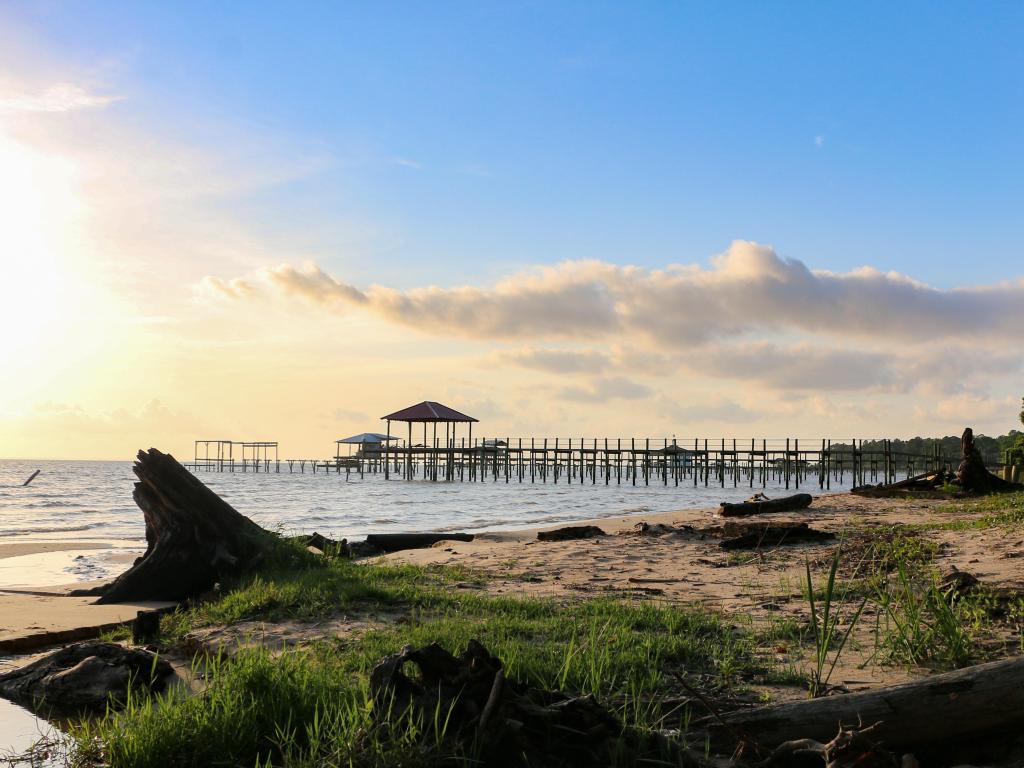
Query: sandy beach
(691, 569)
(22, 548)
(762, 587)
(35, 609)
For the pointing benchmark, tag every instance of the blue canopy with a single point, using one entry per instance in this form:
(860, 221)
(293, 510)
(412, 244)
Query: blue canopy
(365, 437)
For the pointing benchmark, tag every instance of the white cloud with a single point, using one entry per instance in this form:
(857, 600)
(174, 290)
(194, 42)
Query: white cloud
(60, 97)
(748, 289)
(557, 361)
(604, 389)
(710, 409)
(405, 162)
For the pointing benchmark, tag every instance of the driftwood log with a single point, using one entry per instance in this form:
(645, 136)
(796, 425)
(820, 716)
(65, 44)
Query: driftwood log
(764, 505)
(950, 707)
(925, 485)
(396, 542)
(571, 533)
(756, 535)
(194, 539)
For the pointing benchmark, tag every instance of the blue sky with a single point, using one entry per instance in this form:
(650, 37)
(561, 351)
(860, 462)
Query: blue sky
(285, 219)
(465, 139)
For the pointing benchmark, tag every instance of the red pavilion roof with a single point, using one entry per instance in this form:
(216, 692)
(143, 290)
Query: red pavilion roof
(427, 411)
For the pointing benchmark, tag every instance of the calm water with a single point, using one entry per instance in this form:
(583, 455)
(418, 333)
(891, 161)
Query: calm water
(91, 500)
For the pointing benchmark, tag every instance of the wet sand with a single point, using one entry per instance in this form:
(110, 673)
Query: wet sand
(21, 548)
(35, 609)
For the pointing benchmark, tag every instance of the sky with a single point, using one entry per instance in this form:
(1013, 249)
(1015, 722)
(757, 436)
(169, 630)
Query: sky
(281, 221)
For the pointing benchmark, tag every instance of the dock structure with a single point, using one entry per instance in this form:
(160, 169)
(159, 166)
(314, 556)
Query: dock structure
(752, 462)
(219, 455)
(454, 457)
(432, 413)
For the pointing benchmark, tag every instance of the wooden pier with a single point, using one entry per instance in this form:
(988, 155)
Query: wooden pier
(753, 462)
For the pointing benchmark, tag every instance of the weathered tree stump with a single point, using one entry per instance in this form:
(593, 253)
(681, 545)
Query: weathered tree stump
(84, 676)
(194, 538)
(972, 474)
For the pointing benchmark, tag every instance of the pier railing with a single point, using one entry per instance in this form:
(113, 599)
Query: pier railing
(755, 462)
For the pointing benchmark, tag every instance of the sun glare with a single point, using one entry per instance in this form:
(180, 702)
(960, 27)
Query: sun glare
(37, 205)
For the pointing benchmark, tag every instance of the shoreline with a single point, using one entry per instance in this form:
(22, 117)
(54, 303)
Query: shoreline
(636, 603)
(22, 548)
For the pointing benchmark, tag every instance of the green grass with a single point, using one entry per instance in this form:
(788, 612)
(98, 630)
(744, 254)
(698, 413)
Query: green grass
(995, 511)
(310, 706)
(922, 624)
(827, 621)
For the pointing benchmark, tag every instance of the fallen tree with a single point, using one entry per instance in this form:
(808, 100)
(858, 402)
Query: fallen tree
(761, 504)
(194, 539)
(925, 485)
(953, 706)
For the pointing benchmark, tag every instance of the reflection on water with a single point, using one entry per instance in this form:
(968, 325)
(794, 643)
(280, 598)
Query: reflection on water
(50, 569)
(19, 728)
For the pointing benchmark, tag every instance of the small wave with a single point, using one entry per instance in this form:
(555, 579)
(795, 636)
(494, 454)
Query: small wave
(48, 504)
(47, 529)
(85, 568)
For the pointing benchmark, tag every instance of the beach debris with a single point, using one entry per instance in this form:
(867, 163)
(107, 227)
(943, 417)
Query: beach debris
(958, 582)
(508, 722)
(663, 529)
(31, 477)
(849, 747)
(925, 485)
(929, 717)
(194, 538)
(971, 477)
(87, 675)
(571, 533)
(761, 504)
(653, 529)
(756, 535)
(323, 545)
(396, 542)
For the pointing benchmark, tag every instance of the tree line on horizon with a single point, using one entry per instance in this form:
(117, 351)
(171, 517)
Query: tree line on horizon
(1007, 448)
